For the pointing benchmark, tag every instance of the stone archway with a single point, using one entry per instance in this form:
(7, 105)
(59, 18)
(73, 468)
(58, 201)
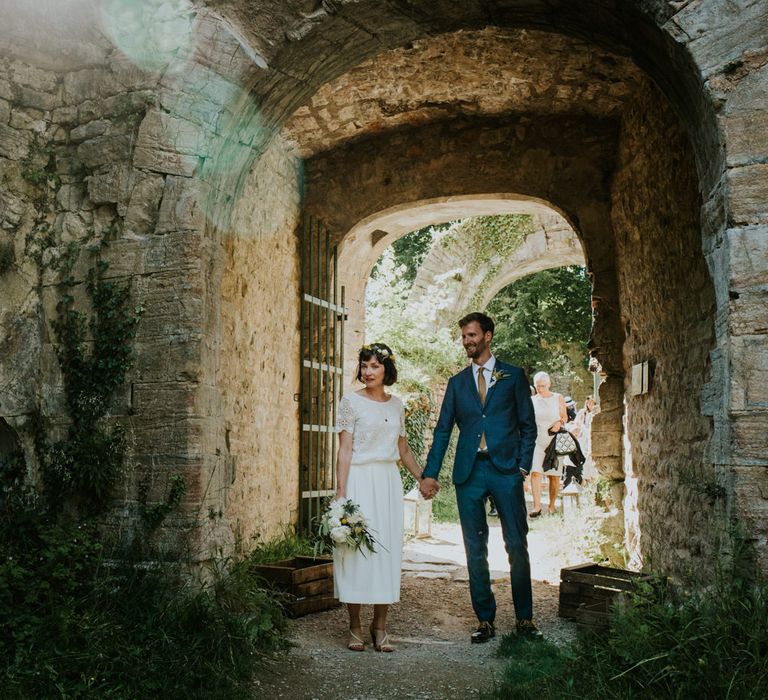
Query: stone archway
(184, 166)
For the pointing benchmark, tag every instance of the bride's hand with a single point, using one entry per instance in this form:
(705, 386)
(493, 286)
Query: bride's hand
(341, 495)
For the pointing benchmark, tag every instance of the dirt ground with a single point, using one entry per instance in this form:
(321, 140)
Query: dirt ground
(432, 623)
(434, 658)
(430, 628)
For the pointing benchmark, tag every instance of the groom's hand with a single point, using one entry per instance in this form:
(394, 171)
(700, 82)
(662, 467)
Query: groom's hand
(429, 487)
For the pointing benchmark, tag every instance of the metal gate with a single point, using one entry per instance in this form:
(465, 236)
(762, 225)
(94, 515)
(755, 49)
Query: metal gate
(322, 359)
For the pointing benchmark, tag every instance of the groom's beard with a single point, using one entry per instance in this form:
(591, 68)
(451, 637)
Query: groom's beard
(474, 351)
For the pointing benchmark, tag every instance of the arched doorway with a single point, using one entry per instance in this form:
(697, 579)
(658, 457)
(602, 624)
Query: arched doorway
(642, 123)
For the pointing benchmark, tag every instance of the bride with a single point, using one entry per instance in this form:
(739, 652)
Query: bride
(371, 427)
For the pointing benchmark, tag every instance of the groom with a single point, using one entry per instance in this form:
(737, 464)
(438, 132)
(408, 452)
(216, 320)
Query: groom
(491, 403)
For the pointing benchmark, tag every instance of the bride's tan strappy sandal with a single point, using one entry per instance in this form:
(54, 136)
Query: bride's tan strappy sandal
(382, 644)
(355, 643)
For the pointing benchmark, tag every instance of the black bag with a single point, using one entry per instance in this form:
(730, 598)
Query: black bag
(565, 443)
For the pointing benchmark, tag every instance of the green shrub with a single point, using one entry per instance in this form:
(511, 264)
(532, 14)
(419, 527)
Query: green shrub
(713, 644)
(73, 627)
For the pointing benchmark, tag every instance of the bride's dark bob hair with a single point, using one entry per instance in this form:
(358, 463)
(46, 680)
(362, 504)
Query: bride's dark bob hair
(383, 353)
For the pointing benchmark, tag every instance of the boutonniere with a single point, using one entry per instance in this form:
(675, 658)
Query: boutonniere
(498, 374)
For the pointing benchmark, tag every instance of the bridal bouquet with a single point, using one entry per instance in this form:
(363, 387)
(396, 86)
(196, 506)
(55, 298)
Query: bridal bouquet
(343, 524)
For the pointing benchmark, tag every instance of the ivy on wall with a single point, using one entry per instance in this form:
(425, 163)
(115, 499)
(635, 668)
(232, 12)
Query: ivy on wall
(95, 355)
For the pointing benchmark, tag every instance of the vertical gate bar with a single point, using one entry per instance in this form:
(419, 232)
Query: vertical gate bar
(328, 360)
(303, 446)
(324, 372)
(341, 331)
(320, 322)
(319, 376)
(337, 386)
(310, 373)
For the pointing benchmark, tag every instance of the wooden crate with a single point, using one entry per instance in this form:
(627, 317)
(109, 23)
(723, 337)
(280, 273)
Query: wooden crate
(594, 615)
(587, 591)
(306, 581)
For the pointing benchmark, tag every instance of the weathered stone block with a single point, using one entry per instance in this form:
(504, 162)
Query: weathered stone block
(5, 111)
(69, 228)
(749, 373)
(166, 400)
(748, 194)
(181, 208)
(174, 304)
(719, 32)
(70, 197)
(103, 150)
(25, 74)
(6, 91)
(90, 84)
(14, 143)
(111, 185)
(169, 359)
(67, 162)
(748, 257)
(91, 130)
(30, 120)
(141, 215)
(27, 97)
(66, 116)
(11, 209)
(165, 162)
(748, 439)
(160, 130)
(748, 315)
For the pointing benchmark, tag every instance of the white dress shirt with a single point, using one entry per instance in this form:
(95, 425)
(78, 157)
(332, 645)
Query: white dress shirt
(489, 365)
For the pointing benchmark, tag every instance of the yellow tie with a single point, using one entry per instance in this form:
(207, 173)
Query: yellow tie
(481, 391)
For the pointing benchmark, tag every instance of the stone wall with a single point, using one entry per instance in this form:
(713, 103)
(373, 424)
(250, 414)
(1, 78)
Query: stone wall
(667, 310)
(257, 370)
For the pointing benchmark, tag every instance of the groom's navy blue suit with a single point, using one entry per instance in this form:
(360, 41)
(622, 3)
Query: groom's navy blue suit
(508, 421)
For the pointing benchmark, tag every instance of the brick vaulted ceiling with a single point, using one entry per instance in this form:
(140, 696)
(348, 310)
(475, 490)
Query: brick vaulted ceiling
(487, 72)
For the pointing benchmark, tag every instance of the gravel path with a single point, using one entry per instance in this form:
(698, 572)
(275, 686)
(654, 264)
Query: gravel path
(430, 627)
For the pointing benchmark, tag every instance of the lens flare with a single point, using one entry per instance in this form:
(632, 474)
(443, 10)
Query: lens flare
(151, 33)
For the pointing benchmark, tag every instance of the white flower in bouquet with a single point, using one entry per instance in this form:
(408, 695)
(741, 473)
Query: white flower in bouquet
(340, 534)
(356, 518)
(343, 525)
(336, 509)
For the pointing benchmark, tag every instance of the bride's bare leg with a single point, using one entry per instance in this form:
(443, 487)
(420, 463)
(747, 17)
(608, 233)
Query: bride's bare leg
(379, 628)
(355, 627)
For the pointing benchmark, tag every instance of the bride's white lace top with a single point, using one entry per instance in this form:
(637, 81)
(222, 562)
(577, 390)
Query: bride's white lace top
(375, 426)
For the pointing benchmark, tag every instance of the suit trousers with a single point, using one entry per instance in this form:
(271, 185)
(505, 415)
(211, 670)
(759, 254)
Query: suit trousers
(507, 492)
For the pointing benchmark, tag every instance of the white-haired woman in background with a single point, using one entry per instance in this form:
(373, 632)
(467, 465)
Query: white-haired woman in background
(550, 411)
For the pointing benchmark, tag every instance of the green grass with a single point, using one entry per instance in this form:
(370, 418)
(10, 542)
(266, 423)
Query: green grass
(72, 626)
(709, 645)
(286, 546)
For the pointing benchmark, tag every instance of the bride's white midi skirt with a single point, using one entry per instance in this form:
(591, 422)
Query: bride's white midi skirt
(360, 576)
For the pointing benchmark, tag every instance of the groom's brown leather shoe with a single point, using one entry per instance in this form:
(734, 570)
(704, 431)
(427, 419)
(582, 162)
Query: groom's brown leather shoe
(484, 632)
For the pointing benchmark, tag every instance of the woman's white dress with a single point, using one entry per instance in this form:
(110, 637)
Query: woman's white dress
(547, 411)
(374, 483)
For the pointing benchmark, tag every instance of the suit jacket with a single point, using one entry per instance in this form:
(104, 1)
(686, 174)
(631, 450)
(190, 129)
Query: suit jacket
(507, 419)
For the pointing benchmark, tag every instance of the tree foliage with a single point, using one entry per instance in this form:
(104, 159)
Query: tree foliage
(544, 320)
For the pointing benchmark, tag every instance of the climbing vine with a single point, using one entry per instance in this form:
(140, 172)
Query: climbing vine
(94, 356)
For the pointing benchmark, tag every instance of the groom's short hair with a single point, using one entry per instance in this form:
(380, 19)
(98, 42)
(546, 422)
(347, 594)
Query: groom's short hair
(486, 322)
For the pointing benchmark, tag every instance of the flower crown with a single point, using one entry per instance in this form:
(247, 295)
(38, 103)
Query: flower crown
(380, 351)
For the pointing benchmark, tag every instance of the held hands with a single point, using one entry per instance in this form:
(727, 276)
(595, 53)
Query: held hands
(429, 487)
